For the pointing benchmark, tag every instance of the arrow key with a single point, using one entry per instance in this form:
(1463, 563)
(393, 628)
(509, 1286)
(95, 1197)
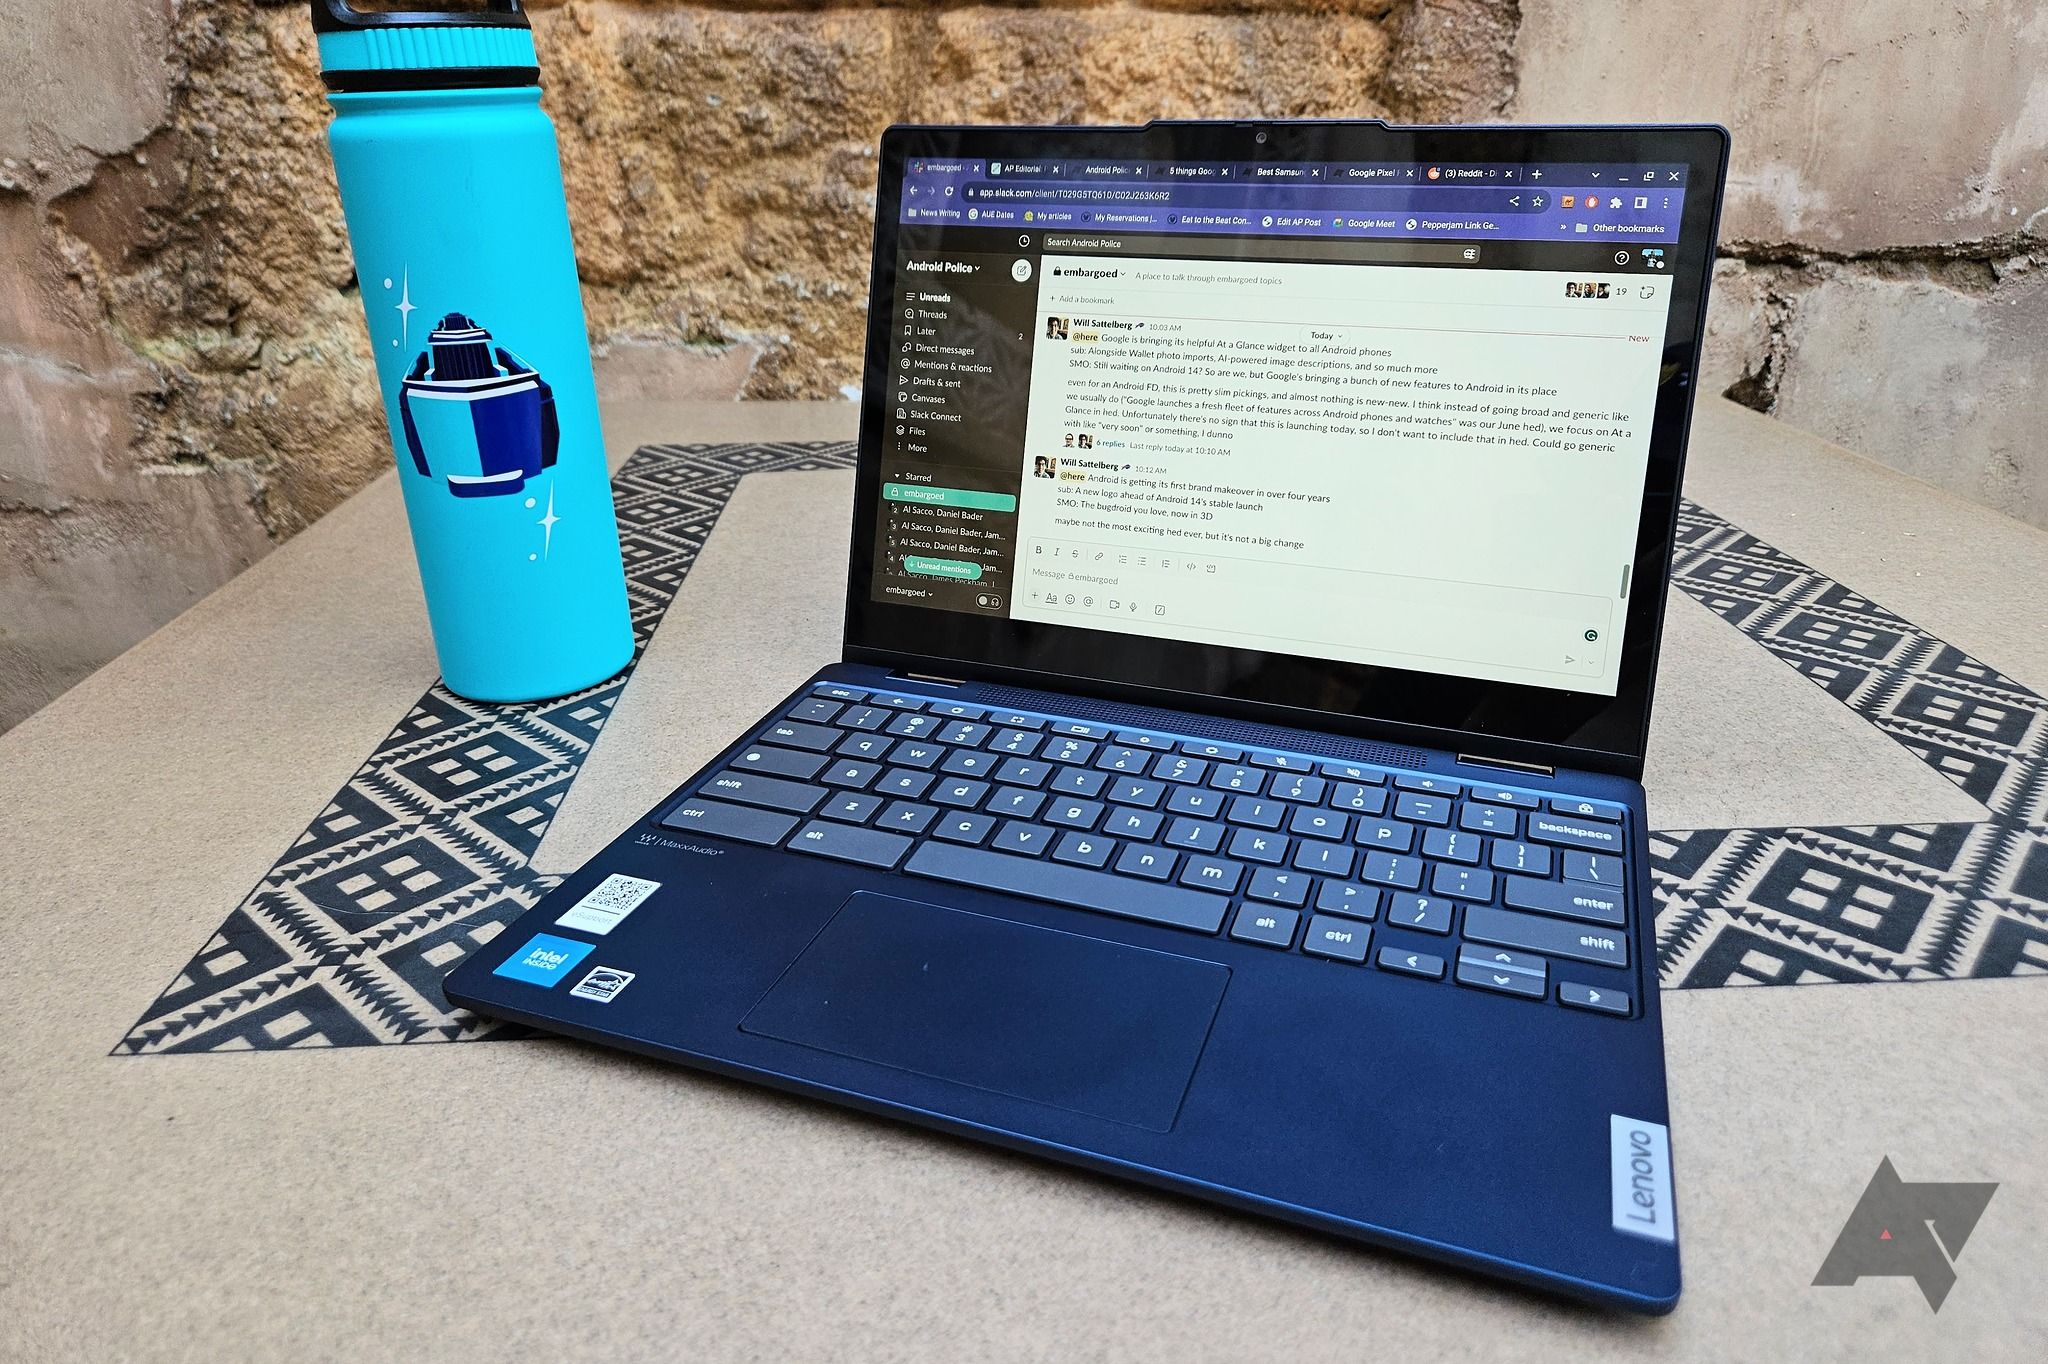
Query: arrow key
(1599, 1000)
(1411, 963)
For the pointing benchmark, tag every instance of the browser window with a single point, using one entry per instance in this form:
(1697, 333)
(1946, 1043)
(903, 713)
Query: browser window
(1394, 415)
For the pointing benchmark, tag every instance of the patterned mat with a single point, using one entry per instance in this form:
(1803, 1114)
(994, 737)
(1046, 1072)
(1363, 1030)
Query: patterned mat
(426, 853)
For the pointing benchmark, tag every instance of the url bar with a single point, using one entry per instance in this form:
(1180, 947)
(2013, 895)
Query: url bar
(1261, 248)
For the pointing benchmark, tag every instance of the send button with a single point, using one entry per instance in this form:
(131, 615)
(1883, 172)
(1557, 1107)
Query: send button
(941, 568)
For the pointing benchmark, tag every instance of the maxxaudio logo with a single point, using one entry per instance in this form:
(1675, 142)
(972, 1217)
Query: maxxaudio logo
(1914, 1231)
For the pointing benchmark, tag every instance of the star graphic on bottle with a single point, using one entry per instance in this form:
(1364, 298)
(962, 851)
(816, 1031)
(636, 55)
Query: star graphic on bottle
(547, 524)
(405, 309)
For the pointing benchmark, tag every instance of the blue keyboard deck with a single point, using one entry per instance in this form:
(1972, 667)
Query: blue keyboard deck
(1517, 888)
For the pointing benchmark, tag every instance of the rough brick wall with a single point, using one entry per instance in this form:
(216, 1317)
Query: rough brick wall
(184, 379)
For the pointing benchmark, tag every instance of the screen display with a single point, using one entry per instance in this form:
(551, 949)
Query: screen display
(1386, 413)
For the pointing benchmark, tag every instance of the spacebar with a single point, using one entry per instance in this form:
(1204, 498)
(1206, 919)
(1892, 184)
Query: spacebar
(1070, 886)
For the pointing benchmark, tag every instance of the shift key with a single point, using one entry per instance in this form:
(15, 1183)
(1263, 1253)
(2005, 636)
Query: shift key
(1550, 937)
(773, 792)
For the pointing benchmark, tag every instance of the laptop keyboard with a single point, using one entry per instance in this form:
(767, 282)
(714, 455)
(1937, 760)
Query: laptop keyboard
(1511, 890)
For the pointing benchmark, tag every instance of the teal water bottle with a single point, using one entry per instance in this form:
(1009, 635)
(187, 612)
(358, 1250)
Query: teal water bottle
(452, 188)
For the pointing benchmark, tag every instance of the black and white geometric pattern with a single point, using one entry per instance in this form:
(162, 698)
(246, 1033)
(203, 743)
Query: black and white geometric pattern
(426, 853)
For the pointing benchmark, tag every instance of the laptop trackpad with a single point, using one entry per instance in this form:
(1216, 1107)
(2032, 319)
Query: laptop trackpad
(1077, 1023)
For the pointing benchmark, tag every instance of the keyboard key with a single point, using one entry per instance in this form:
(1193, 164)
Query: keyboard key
(1154, 864)
(1310, 822)
(1131, 791)
(773, 792)
(1016, 802)
(1174, 906)
(1500, 959)
(904, 782)
(1532, 858)
(1212, 873)
(1197, 834)
(1259, 814)
(1422, 809)
(1389, 869)
(1023, 772)
(1079, 781)
(1337, 939)
(1016, 743)
(1354, 772)
(855, 775)
(1283, 762)
(1068, 750)
(852, 807)
(958, 793)
(1199, 801)
(1266, 926)
(1219, 753)
(1178, 767)
(1451, 845)
(916, 753)
(1083, 850)
(1352, 901)
(902, 817)
(1489, 819)
(1245, 781)
(1592, 867)
(1074, 814)
(1411, 963)
(797, 734)
(1587, 809)
(1144, 738)
(1132, 760)
(914, 726)
(1278, 887)
(1550, 937)
(1011, 719)
(963, 734)
(780, 762)
(1501, 795)
(898, 700)
(1255, 845)
(729, 821)
(817, 710)
(1359, 800)
(1597, 998)
(1423, 913)
(1296, 787)
(970, 829)
(1506, 982)
(1462, 883)
(865, 717)
(1324, 859)
(1573, 832)
(1139, 824)
(957, 710)
(840, 693)
(1018, 837)
(967, 763)
(850, 843)
(1423, 781)
(1385, 834)
(860, 745)
(1567, 899)
(1078, 729)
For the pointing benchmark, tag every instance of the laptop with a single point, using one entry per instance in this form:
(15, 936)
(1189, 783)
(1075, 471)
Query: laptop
(1230, 777)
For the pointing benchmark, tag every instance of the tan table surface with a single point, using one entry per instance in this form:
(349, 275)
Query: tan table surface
(540, 1200)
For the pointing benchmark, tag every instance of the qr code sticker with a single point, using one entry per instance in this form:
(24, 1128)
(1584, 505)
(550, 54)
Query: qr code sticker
(607, 904)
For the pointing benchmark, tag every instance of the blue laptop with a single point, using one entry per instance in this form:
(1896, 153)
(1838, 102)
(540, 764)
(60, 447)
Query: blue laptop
(1229, 780)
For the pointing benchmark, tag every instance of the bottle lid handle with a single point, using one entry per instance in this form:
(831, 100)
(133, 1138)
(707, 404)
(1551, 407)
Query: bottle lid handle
(339, 16)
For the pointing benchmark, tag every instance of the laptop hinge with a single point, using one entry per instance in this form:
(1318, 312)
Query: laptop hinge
(928, 677)
(1540, 769)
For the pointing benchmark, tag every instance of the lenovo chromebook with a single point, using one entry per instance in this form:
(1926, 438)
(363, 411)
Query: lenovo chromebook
(1229, 779)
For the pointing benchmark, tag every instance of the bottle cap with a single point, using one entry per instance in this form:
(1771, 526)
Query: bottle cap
(440, 49)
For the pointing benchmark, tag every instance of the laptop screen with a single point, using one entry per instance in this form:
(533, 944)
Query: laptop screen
(1388, 414)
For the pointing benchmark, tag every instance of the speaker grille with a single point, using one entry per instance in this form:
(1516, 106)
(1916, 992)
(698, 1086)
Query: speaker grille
(1130, 716)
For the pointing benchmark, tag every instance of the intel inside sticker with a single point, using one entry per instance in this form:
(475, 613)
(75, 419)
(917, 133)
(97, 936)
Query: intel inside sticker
(544, 960)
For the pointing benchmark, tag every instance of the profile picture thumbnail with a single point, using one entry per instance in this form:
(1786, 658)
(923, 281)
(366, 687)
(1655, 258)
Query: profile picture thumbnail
(1045, 466)
(1055, 328)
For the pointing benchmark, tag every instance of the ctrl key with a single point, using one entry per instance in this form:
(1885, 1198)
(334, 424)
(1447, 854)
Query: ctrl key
(1337, 939)
(729, 821)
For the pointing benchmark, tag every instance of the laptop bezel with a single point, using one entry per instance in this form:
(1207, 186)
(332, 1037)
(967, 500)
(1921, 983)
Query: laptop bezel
(1497, 720)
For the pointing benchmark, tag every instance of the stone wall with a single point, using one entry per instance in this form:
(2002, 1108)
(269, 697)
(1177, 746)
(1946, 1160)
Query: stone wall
(184, 379)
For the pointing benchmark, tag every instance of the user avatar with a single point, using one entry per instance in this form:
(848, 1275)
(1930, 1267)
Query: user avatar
(1070, 440)
(1045, 466)
(1572, 290)
(1055, 328)
(1602, 287)
(1087, 441)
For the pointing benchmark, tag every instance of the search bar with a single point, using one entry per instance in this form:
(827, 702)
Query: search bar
(1259, 248)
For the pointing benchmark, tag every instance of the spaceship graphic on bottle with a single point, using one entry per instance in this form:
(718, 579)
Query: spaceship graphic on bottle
(476, 416)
